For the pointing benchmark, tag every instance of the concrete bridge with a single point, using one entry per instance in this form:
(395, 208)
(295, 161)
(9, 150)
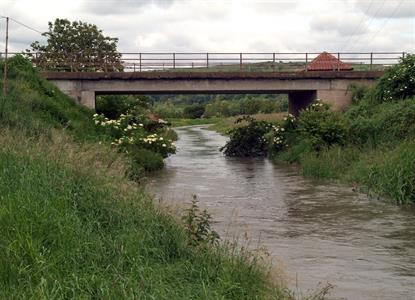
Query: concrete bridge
(302, 87)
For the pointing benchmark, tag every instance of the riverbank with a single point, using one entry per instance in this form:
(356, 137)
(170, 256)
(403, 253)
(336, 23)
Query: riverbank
(224, 124)
(315, 231)
(371, 145)
(74, 226)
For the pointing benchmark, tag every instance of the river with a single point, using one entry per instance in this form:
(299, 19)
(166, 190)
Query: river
(318, 232)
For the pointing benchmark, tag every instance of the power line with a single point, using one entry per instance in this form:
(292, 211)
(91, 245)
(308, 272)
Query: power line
(371, 20)
(358, 26)
(386, 22)
(22, 24)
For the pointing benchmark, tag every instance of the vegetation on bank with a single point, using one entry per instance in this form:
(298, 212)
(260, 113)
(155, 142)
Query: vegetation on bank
(371, 144)
(73, 226)
(217, 106)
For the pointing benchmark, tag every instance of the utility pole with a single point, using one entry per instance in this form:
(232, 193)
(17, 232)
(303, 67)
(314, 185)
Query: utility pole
(5, 59)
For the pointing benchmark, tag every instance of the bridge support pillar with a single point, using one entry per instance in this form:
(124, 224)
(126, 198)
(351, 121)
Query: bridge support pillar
(88, 99)
(337, 99)
(300, 100)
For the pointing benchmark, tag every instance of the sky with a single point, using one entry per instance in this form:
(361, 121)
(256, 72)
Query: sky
(226, 25)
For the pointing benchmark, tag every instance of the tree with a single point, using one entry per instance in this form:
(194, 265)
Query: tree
(77, 47)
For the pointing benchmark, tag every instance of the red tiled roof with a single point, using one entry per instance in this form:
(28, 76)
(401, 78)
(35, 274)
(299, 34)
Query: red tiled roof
(327, 62)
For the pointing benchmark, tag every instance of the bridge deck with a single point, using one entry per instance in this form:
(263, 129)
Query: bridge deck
(211, 75)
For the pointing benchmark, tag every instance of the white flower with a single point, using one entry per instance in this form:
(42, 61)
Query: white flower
(164, 145)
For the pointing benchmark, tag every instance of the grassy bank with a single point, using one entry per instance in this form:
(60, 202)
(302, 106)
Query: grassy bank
(177, 122)
(370, 145)
(377, 153)
(73, 225)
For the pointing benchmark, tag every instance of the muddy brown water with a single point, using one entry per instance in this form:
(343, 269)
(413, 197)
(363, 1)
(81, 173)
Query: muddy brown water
(319, 233)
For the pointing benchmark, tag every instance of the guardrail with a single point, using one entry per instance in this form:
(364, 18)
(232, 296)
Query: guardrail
(221, 62)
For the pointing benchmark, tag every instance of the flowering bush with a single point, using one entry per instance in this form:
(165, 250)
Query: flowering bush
(276, 139)
(130, 135)
(289, 122)
(249, 140)
(398, 81)
(320, 126)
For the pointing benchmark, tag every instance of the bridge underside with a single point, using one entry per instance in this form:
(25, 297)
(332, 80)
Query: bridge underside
(302, 88)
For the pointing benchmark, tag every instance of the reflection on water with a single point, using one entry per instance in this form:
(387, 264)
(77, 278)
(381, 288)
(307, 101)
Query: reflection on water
(322, 232)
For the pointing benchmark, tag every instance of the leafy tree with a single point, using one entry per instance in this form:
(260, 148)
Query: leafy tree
(76, 46)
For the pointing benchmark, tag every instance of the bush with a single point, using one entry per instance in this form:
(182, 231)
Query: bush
(112, 106)
(129, 134)
(142, 161)
(321, 126)
(249, 140)
(382, 123)
(398, 81)
(194, 111)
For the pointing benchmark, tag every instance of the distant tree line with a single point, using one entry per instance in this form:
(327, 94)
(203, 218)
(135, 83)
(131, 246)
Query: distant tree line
(217, 107)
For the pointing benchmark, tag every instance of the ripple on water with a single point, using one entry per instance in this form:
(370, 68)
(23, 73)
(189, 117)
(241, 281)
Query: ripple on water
(322, 232)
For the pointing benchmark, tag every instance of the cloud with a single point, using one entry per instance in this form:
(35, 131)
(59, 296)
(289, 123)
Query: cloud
(227, 25)
(387, 9)
(124, 7)
(347, 25)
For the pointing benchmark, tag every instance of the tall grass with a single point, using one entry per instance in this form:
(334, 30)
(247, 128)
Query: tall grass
(69, 231)
(394, 175)
(73, 226)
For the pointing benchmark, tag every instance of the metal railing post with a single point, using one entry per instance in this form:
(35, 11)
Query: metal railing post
(174, 60)
(306, 61)
(371, 61)
(140, 61)
(403, 55)
(207, 60)
(240, 61)
(338, 62)
(273, 62)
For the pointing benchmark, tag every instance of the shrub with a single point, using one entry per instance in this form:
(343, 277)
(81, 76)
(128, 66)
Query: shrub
(398, 81)
(143, 160)
(249, 140)
(358, 92)
(276, 140)
(112, 106)
(321, 126)
(198, 226)
(194, 111)
(386, 122)
(129, 136)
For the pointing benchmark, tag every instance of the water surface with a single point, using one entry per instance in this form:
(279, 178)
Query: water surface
(320, 232)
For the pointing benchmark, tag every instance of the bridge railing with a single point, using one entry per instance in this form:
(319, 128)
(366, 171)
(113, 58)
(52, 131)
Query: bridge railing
(212, 62)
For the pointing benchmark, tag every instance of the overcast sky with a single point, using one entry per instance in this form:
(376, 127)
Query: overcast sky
(226, 25)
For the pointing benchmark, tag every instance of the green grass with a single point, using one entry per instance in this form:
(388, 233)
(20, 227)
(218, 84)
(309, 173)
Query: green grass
(269, 66)
(177, 122)
(73, 226)
(70, 233)
(386, 170)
